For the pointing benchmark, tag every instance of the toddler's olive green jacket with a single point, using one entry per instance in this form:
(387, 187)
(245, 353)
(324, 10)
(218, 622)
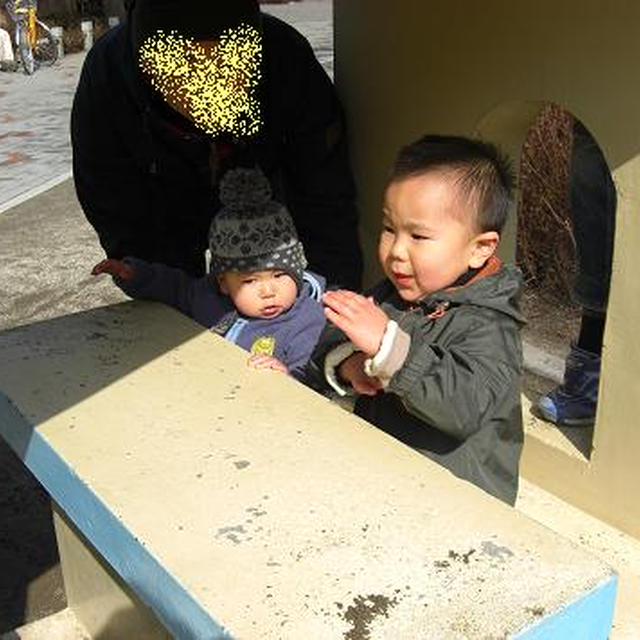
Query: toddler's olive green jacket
(456, 398)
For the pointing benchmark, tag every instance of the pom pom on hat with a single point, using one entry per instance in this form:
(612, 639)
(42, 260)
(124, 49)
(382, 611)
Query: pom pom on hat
(244, 188)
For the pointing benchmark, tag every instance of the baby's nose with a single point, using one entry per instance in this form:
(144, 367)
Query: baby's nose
(267, 289)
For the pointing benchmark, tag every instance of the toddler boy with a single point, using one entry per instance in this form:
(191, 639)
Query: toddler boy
(434, 352)
(258, 295)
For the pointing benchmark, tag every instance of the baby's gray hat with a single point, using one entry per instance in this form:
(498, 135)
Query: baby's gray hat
(253, 232)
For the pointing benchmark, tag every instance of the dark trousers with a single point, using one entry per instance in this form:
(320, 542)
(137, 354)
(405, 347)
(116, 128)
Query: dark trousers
(593, 208)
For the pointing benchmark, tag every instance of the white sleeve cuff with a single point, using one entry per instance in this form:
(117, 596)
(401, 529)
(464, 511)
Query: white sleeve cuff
(331, 362)
(391, 355)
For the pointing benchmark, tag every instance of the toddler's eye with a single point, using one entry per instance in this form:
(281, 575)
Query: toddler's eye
(417, 236)
(387, 229)
(279, 275)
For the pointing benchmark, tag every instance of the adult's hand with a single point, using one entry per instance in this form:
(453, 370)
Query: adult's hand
(115, 268)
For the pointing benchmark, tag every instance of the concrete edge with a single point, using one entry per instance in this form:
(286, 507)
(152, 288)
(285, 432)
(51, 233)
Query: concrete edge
(541, 363)
(173, 605)
(36, 191)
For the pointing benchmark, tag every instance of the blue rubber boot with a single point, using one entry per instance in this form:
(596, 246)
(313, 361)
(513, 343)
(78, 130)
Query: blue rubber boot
(573, 403)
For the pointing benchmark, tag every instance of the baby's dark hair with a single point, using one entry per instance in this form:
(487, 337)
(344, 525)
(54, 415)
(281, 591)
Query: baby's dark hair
(478, 169)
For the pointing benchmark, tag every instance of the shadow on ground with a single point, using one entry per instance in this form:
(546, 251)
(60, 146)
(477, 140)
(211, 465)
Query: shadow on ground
(47, 249)
(30, 582)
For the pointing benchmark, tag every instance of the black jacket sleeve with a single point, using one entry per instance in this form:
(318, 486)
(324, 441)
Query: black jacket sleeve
(319, 183)
(110, 180)
(160, 283)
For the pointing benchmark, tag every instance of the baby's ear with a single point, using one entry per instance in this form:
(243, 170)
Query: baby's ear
(484, 246)
(222, 285)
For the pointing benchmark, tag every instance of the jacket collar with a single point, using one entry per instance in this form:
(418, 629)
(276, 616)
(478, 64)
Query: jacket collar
(489, 268)
(436, 304)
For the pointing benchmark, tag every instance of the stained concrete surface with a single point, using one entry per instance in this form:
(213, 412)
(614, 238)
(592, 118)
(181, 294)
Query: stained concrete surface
(228, 500)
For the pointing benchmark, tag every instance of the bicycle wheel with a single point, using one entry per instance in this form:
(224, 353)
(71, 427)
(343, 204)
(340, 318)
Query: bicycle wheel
(46, 49)
(24, 49)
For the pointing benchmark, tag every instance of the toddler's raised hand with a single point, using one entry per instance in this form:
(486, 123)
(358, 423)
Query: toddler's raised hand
(362, 320)
(261, 361)
(113, 267)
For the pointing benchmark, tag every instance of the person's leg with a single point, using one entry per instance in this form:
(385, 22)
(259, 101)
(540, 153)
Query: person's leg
(6, 48)
(591, 332)
(593, 206)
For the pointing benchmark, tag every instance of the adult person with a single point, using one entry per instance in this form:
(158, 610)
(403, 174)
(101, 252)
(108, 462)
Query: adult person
(7, 57)
(7, 60)
(179, 93)
(593, 204)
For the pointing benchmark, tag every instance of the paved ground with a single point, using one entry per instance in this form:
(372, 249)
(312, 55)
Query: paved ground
(46, 249)
(35, 148)
(34, 126)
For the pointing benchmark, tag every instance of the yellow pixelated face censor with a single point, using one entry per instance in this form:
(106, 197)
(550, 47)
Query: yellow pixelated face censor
(213, 83)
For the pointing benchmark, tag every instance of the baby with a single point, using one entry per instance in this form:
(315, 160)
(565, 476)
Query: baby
(257, 295)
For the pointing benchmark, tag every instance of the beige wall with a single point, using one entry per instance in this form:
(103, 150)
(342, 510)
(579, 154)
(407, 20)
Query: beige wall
(413, 66)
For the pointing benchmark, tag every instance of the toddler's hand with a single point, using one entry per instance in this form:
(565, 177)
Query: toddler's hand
(115, 268)
(352, 370)
(362, 320)
(261, 361)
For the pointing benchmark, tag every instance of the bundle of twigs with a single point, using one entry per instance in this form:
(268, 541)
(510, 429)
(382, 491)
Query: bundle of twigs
(546, 246)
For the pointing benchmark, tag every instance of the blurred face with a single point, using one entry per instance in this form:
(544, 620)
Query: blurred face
(211, 82)
(259, 294)
(427, 239)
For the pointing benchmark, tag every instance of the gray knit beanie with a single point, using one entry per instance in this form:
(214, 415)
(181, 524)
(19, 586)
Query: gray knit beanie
(252, 232)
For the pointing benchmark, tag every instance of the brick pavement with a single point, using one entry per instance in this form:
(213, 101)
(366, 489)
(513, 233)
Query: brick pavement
(35, 148)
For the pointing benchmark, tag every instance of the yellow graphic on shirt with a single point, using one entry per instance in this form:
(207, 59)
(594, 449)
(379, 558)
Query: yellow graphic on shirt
(212, 83)
(263, 346)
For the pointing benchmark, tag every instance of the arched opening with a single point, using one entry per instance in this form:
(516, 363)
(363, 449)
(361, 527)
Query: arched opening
(563, 243)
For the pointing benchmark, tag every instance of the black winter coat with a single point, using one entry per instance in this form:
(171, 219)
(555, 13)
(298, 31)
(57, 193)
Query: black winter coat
(147, 179)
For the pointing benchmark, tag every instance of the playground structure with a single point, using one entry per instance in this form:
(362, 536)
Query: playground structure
(100, 405)
(192, 502)
(432, 66)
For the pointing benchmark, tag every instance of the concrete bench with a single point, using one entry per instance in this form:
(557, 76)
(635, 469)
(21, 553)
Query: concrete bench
(198, 498)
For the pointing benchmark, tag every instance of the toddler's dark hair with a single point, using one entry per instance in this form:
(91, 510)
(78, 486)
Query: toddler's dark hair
(481, 172)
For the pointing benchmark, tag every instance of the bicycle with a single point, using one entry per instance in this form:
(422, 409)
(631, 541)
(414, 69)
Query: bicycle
(35, 43)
